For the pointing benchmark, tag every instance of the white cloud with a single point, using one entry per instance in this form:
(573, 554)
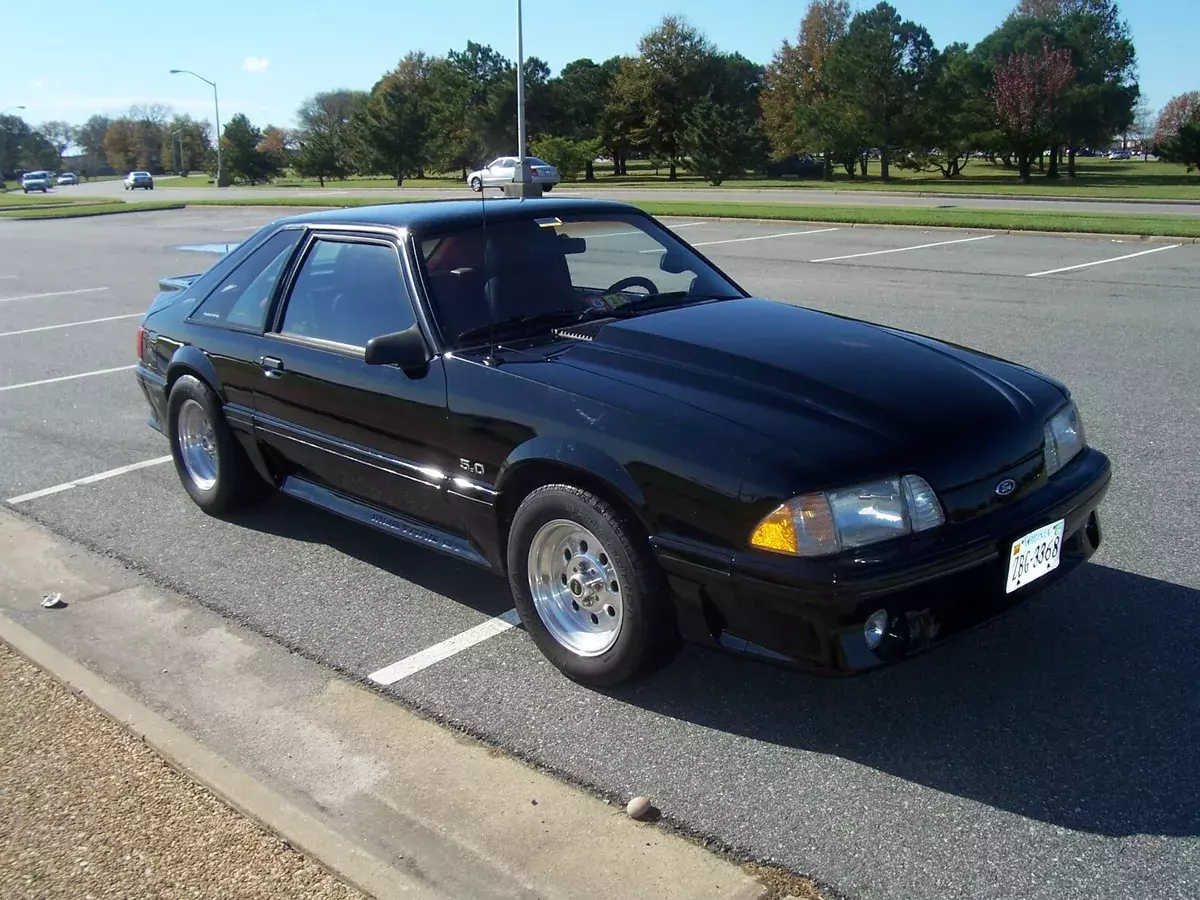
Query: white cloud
(255, 64)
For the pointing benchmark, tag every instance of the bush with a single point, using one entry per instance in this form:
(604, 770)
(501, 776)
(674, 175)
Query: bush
(570, 157)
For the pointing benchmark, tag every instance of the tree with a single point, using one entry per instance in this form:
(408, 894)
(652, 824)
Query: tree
(196, 145)
(1178, 131)
(13, 132)
(570, 156)
(150, 126)
(665, 82)
(90, 135)
(465, 94)
(390, 129)
(1028, 95)
(620, 115)
(243, 157)
(59, 134)
(721, 140)
(121, 145)
(796, 80)
(1143, 126)
(579, 95)
(326, 143)
(953, 116)
(882, 66)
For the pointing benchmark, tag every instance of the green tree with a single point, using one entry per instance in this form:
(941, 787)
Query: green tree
(59, 134)
(390, 130)
(953, 117)
(325, 138)
(121, 145)
(570, 156)
(196, 144)
(620, 116)
(1029, 97)
(797, 93)
(579, 95)
(242, 156)
(1178, 132)
(13, 132)
(665, 83)
(465, 87)
(721, 140)
(882, 67)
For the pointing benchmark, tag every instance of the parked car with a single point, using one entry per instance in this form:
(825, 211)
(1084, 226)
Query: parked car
(796, 167)
(503, 170)
(139, 180)
(68, 178)
(566, 393)
(1120, 154)
(35, 181)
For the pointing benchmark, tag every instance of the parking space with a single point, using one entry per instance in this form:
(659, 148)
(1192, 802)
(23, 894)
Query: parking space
(1048, 745)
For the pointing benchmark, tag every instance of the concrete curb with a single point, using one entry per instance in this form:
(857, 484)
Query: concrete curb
(235, 787)
(85, 214)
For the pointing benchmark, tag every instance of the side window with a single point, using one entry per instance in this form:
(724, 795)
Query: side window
(348, 292)
(242, 298)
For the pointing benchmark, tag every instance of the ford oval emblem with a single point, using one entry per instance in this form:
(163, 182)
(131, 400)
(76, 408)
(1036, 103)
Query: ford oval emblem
(1006, 487)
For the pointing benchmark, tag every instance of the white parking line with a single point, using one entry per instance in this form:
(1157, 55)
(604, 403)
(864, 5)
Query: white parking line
(410, 665)
(1101, 262)
(2, 277)
(13, 387)
(902, 249)
(90, 479)
(70, 324)
(53, 294)
(765, 237)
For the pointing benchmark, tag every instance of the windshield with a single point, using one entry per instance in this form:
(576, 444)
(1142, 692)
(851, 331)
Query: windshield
(543, 272)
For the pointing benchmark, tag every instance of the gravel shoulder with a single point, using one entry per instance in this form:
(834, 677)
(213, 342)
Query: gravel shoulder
(89, 811)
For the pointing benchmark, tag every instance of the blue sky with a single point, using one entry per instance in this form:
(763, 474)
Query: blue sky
(268, 55)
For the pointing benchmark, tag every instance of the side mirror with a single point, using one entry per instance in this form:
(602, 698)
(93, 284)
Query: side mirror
(404, 349)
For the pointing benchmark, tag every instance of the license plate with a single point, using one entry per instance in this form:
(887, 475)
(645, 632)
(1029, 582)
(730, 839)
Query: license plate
(1034, 555)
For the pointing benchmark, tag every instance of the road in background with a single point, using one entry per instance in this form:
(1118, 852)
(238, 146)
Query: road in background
(1048, 755)
(810, 196)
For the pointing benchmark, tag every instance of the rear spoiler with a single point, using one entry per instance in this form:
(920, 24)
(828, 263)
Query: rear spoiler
(177, 282)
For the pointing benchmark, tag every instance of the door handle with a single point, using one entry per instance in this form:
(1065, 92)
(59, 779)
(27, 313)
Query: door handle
(272, 367)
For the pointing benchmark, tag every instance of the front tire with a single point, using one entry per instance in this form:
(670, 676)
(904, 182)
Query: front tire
(587, 588)
(211, 464)
(477, 185)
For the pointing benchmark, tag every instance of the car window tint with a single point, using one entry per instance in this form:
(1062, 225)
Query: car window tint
(348, 292)
(242, 297)
(526, 267)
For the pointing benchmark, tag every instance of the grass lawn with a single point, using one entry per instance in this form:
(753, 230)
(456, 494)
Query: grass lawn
(18, 198)
(1096, 178)
(83, 210)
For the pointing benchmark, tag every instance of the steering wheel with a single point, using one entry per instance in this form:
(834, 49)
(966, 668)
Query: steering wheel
(633, 281)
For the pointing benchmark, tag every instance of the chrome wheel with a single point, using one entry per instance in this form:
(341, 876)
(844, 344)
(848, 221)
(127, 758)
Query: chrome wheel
(197, 445)
(575, 588)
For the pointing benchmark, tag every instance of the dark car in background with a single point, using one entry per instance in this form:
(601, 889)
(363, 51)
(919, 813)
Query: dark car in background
(568, 394)
(796, 167)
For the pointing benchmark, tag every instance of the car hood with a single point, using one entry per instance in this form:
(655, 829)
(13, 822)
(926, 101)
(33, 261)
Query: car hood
(845, 396)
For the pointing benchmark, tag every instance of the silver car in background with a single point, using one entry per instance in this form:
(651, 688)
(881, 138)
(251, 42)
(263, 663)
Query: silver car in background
(503, 170)
(35, 181)
(139, 180)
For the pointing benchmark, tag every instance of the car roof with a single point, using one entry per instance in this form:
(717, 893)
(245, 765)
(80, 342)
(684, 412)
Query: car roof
(439, 215)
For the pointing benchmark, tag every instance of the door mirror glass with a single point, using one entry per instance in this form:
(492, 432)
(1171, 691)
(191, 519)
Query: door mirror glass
(404, 349)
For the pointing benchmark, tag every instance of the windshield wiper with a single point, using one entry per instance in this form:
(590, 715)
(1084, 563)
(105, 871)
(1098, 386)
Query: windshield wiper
(517, 325)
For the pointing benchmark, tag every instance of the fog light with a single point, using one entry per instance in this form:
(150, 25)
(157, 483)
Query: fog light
(875, 628)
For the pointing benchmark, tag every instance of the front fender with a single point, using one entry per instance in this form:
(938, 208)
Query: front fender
(575, 454)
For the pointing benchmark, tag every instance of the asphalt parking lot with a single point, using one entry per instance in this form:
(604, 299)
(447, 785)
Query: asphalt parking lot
(1052, 754)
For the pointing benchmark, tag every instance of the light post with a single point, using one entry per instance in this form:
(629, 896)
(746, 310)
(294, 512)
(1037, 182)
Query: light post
(522, 185)
(216, 109)
(178, 132)
(10, 109)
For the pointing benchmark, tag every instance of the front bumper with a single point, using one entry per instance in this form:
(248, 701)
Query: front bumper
(811, 612)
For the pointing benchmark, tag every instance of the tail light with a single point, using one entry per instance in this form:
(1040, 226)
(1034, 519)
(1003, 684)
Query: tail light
(141, 342)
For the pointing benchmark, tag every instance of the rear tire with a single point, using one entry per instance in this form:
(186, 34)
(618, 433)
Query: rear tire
(597, 605)
(211, 464)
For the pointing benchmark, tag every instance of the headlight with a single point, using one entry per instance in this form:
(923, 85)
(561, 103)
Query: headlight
(829, 522)
(1064, 438)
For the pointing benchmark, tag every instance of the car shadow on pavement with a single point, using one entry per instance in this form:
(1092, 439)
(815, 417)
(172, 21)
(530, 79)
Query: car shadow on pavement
(1079, 709)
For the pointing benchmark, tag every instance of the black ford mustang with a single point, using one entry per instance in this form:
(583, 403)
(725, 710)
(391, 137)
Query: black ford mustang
(565, 392)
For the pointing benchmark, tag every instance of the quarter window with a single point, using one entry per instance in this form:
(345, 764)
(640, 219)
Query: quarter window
(348, 292)
(242, 298)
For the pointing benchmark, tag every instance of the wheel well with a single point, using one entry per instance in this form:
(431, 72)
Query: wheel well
(533, 475)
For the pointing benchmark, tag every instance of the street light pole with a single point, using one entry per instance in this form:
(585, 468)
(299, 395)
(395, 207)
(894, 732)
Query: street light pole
(521, 170)
(10, 109)
(216, 109)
